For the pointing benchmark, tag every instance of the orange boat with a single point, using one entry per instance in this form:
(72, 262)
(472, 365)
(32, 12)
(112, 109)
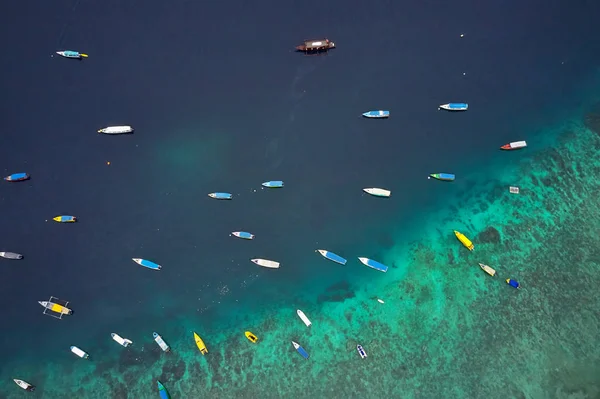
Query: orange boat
(310, 46)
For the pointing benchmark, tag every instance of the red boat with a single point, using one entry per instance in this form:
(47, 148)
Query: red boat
(514, 145)
(315, 45)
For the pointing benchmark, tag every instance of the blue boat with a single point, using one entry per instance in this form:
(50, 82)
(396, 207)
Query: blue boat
(455, 106)
(300, 350)
(147, 263)
(65, 219)
(376, 114)
(17, 177)
(220, 196)
(243, 234)
(273, 184)
(443, 176)
(331, 256)
(513, 283)
(373, 264)
(164, 394)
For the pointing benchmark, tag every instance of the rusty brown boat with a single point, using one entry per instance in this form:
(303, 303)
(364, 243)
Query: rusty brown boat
(312, 46)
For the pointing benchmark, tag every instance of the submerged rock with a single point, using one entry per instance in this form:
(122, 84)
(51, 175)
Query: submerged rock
(489, 236)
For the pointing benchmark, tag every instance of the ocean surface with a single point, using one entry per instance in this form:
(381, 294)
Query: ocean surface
(221, 102)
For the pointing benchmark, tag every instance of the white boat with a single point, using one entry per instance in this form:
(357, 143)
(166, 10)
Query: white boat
(11, 255)
(513, 190)
(266, 263)
(515, 145)
(120, 340)
(378, 192)
(487, 269)
(163, 345)
(116, 130)
(454, 106)
(79, 352)
(303, 317)
(24, 384)
(380, 300)
(243, 234)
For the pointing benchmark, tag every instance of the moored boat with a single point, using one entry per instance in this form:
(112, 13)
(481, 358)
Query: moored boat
(464, 240)
(373, 264)
(300, 350)
(120, 340)
(513, 190)
(380, 300)
(361, 351)
(331, 256)
(271, 264)
(378, 114)
(200, 344)
(454, 106)
(487, 269)
(55, 307)
(24, 384)
(513, 283)
(11, 255)
(79, 352)
(65, 219)
(17, 177)
(303, 317)
(164, 394)
(147, 263)
(116, 130)
(443, 176)
(243, 234)
(72, 54)
(315, 45)
(273, 184)
(163, 345)
(251, 337)
(220, 196)
(515, 145)
(377, 192)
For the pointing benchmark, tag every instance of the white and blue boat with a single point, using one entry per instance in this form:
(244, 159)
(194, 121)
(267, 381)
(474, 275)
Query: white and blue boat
(331, 256)
(373, 264)
(300, 350)
(221, 196)
(376, 114)
(17, 177)
(454, 106)
(147, 263)
(273, 184)
(243, 234)
(163, 345)
(72, 54)
(361, 351)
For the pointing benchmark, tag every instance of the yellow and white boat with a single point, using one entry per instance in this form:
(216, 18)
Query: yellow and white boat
(487, 269)
(253, 338)
(56, 308)
(200, 344)
(464, 240)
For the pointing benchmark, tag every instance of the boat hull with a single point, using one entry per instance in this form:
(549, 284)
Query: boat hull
(164, 394)
(300, 350)
(116, 130)
(361, 351)
(15, 177)
(251, 337)
(147, 263)
(303, 317)
(161, 343)
(513, 283)
(79, 352)
(243, 234)
(273, 184)
(380, 114)
(270, 264)
(464, 240)
(120, 340)
(442, 176)
(65, 219)
(221, 196)
(377, 192)
(11, 255)
(24, 384)
(373, 264)
(200, 344)
(517, 145)
(454, 106)
(487, 269)
(332, 257)
(314, 46)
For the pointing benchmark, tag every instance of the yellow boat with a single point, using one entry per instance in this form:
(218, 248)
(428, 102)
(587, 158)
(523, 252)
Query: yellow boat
(487, 269)
(465, 241)
(251, 337)
(83, 55)
(200, 344)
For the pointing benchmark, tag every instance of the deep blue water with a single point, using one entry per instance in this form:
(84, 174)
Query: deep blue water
(220, 102)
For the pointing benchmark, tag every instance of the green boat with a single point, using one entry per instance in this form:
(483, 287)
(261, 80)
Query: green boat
(442, 176)
(163, 391)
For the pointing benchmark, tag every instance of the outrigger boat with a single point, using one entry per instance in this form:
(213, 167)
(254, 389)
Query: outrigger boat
(379, 114)
(373, 264)
(251, 337)
(243, 234)
(120, 340)
(361, 351)
(17, 177)
(72, 54)
(55, 307)
(331, 256)
(79, 352)
(300, 350)
(163, 345)
(454, 106)
(116, 130)
(220, 196)
(24, 384)
(442, 176)
(377, 192)
(312, 46)
(273, 184)
(11, 255)
(147, 263)
(162, 391)
(200, 344)
(464, 240)
(487, 269)
(271, 264)
(65, 219)
(514, 145)
(303, 318)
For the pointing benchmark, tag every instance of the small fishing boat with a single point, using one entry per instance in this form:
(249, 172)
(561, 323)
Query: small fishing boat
(361, 351)
(377, 192)
(271, 264)
(72, 54)
(273, 184)
(515, 145)
(513, 190)
(373, 264)
(331, 256)
(379, 114)
(17, 177)
(163, 345)
(442, 176)
(220, 196)
(200, 344)
(24, 384)
(65, 219)
(487, 269)
(513, 283)
(454, 106)
(251, 337)
(147, 263)
(310, 46)
(243, 234)
(55, 307)
(303, 318)
(300, 350)
(120, 340)
(380, 300)
(164, 394)
(11, 255)
(116, 130)
(464, 240)
(79, 352)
